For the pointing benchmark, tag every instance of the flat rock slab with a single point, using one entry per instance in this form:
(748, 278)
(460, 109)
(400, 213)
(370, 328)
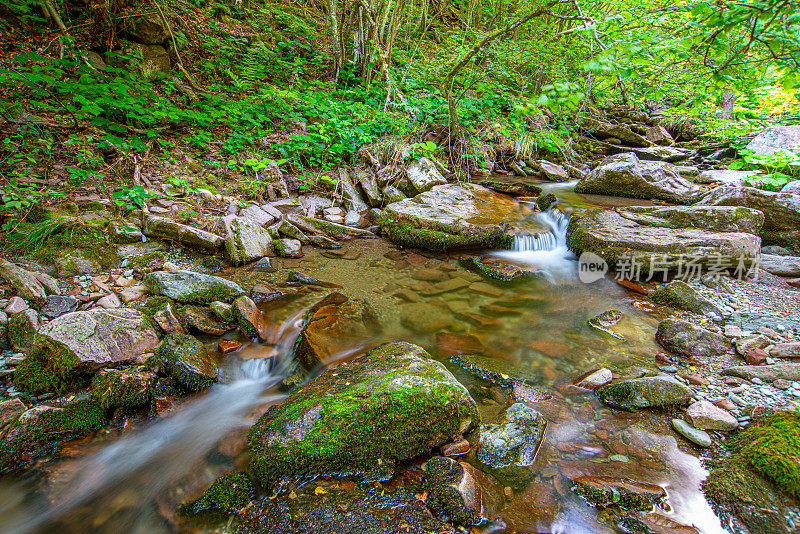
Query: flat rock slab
(665, 237)
(98, 336)
(625, 175)
(24, 282)
(781, 265)
(453, 216)
(781, 211)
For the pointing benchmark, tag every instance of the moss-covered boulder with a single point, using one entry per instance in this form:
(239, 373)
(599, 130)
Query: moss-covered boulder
(24, 282)
(186, 358)
(40, 427)
(626, 175)
(22, 328)
(122, 388)
(391, 404)
(661, 238)
(189, 286)
(452, 216)
(247, 315)
(79, 343)
(679, 294)
(645, 392)
(685, 339)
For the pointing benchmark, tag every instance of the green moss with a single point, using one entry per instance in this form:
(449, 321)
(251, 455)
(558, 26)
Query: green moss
(186, 358)
(395, 403)
(773, 450)
(442, 476)
(737, 490)
(545, 201)
(21, 330)
(154, 304)
(144, 259)
(228, 494)
(278, 247)
(405, 233)
(50, 425)
(50, 367)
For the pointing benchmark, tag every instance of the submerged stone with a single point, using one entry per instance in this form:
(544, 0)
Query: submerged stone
(645, 392)
(598, 490)
(502, 373)
(391, 404)
(460, 493)
(228, 494)
(515, 440)
(328, 335)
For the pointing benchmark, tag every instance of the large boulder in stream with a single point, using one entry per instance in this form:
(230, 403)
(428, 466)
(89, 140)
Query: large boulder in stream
(781, 211)
(186, 358)
(453, 216)
(666, 237)
(625, 175)
(82, 341)
(391, 404)
(189, 286)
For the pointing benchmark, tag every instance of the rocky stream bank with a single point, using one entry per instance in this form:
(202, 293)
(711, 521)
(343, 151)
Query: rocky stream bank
(525, 403)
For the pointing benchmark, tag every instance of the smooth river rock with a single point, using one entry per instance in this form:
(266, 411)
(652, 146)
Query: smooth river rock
(685, 339)
(645, 392)
(189, 286)
(706, 416)
(695, 435)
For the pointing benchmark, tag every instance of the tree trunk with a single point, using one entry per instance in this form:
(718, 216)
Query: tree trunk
(726, 101)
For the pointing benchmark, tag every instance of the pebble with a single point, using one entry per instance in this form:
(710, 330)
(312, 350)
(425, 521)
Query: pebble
(668, 368)
(619, 458)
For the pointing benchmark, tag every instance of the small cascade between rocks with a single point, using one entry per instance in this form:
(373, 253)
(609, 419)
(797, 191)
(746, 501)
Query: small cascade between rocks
(557, 222)
(545, 251)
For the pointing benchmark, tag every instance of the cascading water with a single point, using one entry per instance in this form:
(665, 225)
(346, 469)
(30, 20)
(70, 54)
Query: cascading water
(129, 474)
(545, 250)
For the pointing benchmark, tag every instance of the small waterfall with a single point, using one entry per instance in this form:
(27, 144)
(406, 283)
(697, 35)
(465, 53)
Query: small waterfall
(546, 251)
(556, 222)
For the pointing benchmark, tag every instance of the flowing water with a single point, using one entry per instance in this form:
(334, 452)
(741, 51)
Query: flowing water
(132, 478)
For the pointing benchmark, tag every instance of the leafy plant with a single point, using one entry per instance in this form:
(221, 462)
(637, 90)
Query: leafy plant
(780, 166)
(129, 198)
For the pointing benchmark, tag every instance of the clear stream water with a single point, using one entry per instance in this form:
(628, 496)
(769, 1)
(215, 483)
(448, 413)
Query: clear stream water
(131, 479)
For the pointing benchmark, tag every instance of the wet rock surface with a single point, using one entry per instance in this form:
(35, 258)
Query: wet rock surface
(391, 404)
(189, 286)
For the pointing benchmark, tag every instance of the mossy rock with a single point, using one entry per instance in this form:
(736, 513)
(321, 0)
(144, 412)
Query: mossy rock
(645, 392)
(117, 388)
(393, 403)
(494, 370)
(22, 328)
(144, 259)
(773, 450)
(192, 287)
(443, 477)
(186, 358)
(679, 294)
(37, 429)
(545, 201)
(228, 494)
(71, 347)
